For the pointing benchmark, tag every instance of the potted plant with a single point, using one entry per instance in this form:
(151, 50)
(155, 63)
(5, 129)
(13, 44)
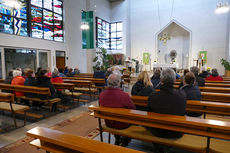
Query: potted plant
(226, 65)
(102, 60)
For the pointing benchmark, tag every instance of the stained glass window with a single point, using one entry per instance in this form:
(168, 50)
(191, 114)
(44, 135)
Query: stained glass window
(37, 30)
(109, 35)
(6, 24)
(46, 18)
(36, 14)
(48, 4)
(37, 3)
(57, 6)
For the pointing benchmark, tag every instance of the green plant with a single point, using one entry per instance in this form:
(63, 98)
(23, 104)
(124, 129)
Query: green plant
(102, 60)
(225, 63)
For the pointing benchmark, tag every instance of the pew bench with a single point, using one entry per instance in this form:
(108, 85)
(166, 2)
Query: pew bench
(206, 107)
(201, 135)
(61, 142)
(7, 104)
(70, 87)
(34, 90)
(216, 97)
(83, 86)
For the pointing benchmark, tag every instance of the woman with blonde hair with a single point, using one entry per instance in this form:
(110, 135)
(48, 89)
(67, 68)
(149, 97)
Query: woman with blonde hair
(143, 86)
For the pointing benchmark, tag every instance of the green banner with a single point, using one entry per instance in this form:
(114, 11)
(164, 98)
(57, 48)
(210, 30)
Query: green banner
(88, 35)
(203, 56)
(146, 58)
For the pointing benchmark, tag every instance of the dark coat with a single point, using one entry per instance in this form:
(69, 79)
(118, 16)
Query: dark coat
(199, 82)
(192, 93)
(99, 75)
(45, 82)
(141, 90)
(30, 81)
(167, 101)
(204, 74)
(156, 81)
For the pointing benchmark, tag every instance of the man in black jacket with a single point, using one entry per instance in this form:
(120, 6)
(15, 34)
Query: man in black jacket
(167, 101)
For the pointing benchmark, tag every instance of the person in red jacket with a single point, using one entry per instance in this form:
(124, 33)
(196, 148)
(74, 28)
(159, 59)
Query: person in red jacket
(116, 98)
(56, 78)
(18, 80)
(214, 76)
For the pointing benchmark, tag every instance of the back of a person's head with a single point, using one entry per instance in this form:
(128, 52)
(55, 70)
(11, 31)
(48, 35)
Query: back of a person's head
(55, 73)
(194, 70)
(42, 72)
(185, 71)
(29, 72)
(157, 73)
(39, 68)
(189, 78)
(60, 70)
(114, 80)
(70, 70)
(168, 76)
(17, 73)
(215, 72)
(143, 76)
(11, 73)
(98, 68)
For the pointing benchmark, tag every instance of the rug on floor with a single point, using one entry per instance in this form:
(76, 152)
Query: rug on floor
(81, 125)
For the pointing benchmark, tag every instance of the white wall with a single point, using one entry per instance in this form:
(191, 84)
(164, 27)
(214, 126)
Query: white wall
(209, 31)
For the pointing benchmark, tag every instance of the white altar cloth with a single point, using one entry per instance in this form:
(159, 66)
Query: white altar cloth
(155, 65)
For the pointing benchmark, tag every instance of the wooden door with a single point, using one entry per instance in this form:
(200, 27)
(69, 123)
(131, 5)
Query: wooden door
(60, 62)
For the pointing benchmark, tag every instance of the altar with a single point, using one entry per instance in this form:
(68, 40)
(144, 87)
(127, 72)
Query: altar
(175, 65)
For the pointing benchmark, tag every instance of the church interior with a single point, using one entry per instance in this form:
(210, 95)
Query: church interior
(114, 76)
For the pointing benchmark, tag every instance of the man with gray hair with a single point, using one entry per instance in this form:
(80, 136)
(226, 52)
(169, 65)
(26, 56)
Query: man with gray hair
(116, 98)
(167, 101)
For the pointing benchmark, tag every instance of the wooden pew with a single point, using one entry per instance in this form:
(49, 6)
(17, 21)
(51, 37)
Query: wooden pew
(70, 87)
(84, 75)
(61, 142)
(200, 134)
(206, 107)
(217, 97)
(7, 104)
(31, 89)
(83, 86)
(211, 84)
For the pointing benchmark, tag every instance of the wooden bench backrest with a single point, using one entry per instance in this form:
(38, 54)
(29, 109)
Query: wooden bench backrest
(27, 89)
(69, 86)
(6, 97)
(84, 75)
(80, 83)
(218, 97)
(191, 125)
(74, 142)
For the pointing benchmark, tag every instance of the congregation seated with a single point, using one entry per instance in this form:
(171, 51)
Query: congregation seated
(66, 70)
(156, 78)
(30, 81)
(70, 73)
(99, 75)
(205, 73)
(199, 80)
(167, 101)
(61, 72)
(108, 72)
(214, 76)
(9, 78)
(76, 70)
(116, 98)
(18, 80)
(56, 77)
(37, 73)
(192, 91)
(143, 86)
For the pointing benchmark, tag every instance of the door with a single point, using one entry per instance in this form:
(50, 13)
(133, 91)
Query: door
(60, 59)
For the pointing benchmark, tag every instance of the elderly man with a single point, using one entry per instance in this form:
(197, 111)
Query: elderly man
(167, 101)
(115, 97)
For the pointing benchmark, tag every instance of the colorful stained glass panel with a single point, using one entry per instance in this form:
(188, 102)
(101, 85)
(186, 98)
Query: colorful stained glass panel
(36, 2)
(58, 6)
(58, 34)
(4, 9)
(6, 24)
(48, 4)
(37, 31)
(48, 32)
(47, 17)
(36, 14)
(57, 21)
(20, 27)
(21, 12)
(119, 26)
